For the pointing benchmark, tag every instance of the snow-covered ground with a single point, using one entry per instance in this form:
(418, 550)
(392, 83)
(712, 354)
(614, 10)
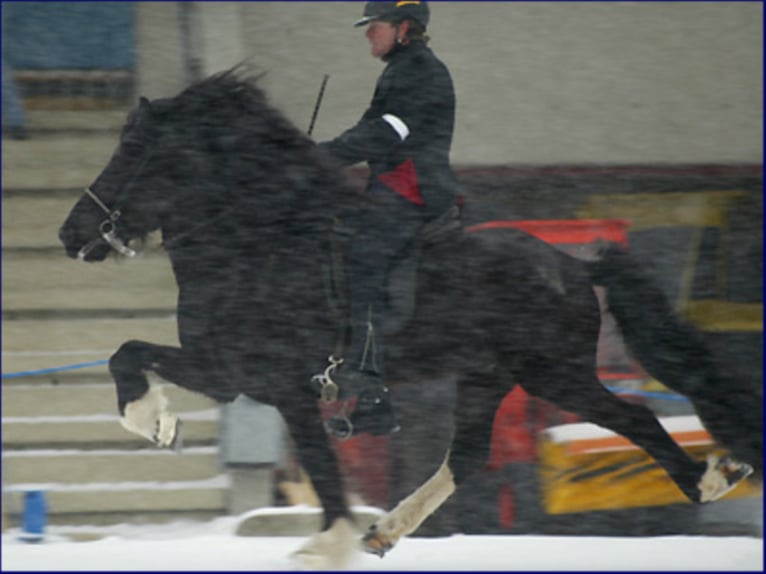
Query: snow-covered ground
(213, 546)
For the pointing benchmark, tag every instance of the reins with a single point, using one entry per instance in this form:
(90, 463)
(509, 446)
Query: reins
(108, 228)
(170, 243)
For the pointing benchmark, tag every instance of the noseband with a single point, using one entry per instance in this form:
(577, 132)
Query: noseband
(107, 229)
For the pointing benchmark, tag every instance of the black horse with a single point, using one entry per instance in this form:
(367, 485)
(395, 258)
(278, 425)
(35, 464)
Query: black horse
(246, 205)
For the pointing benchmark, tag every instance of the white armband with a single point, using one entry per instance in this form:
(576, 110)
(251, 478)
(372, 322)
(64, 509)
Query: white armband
(399, 126)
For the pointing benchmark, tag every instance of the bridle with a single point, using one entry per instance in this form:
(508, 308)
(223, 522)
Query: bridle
(107, 229)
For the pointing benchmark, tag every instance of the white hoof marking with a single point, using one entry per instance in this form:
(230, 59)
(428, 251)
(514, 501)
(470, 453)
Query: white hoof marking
(722, 476)
(331, 549)
(149, 418)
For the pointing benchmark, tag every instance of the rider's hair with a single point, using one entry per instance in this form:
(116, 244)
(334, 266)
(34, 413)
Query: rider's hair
(416, 32)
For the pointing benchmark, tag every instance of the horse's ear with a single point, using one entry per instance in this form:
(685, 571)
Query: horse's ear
(143, 103)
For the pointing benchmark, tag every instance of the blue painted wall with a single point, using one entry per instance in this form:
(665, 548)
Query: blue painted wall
(69, 35)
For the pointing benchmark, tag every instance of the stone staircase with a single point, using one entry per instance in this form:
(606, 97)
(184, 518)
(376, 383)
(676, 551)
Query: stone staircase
(60, 427)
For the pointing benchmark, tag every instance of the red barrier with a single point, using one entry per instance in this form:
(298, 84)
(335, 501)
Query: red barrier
(565, 231)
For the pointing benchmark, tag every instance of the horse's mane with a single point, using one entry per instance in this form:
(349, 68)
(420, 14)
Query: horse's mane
(232, 121)
(232, 100)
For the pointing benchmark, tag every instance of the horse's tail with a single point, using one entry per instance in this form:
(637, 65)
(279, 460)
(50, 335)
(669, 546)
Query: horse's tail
(675, 353)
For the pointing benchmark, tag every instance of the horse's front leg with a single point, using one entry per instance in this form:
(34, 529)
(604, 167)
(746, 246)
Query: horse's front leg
(143, 408)
(332, 548)
(410, 513)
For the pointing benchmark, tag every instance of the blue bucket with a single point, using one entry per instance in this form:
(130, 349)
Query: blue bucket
(34, 517)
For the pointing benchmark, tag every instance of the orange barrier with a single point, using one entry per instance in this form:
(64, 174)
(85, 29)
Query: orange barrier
(605, 471)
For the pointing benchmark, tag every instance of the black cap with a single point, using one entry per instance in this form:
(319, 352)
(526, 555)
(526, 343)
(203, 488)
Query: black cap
(395, 12)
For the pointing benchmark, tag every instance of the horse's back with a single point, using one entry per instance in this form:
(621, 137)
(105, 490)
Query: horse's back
(510, 265)
(503, 289)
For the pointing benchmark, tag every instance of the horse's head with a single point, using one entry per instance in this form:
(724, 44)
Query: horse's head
(214, 160)
(123, 203)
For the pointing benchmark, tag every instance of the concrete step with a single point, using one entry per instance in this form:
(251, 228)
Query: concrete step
(58, 312)
(76, 121)
(99, 431)
(71, 400)
(32, 218)
(66, 466)
(128, 498)
(85, 416)
(56, 160)
(42, 280)
(86, 90)
(29, 345)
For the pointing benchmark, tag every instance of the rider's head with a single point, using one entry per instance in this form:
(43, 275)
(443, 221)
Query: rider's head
(392, 23)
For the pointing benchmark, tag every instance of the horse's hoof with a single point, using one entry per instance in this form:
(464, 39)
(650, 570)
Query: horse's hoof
(302, 560)
(177, 443)
(721, 477)
(331, 549)
(376, 543)
(167, 431)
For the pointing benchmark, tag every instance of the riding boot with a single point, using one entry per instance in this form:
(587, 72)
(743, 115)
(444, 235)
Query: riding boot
(361, 376)
(373, 414)
(380, 232)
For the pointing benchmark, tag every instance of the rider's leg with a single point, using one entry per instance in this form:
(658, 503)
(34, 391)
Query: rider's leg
(380, 235)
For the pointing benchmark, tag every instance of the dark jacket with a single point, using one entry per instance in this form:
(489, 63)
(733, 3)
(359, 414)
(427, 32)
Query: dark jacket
(406, 133)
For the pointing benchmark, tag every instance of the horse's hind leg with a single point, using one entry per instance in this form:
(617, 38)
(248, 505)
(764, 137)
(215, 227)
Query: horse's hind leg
(575, 388)
(143, 408)
(478, 398)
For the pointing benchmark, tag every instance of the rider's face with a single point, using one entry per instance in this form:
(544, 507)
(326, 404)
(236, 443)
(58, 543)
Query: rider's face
(382, 37)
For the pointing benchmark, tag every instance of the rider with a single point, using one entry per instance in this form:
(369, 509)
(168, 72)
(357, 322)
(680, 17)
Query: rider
(405, 137)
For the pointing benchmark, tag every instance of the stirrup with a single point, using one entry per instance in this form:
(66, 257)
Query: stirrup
(367, 417)
(328, 390)
(340, 427)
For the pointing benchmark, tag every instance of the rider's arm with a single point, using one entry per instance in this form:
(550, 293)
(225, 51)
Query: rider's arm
(406, 98)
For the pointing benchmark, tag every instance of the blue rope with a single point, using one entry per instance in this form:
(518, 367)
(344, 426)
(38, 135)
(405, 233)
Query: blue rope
(649, 394)
(54, 369)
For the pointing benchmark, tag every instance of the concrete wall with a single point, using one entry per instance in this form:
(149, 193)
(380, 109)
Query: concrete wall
(159, 49)
(537, 82)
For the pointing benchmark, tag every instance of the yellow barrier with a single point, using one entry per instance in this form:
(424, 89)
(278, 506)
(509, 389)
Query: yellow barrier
(585, 468)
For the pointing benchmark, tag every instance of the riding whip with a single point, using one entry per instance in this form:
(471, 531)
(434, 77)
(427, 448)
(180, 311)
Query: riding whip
(319, 102)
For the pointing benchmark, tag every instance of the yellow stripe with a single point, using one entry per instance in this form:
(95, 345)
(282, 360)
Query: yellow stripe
(714, 315)
(611, 480)
(405, 2)
(653, 210)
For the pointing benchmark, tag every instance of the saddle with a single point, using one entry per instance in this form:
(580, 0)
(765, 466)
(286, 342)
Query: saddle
(401, 283)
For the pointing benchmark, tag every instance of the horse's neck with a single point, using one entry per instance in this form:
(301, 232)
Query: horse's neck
(237, 240)
(273, 266)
